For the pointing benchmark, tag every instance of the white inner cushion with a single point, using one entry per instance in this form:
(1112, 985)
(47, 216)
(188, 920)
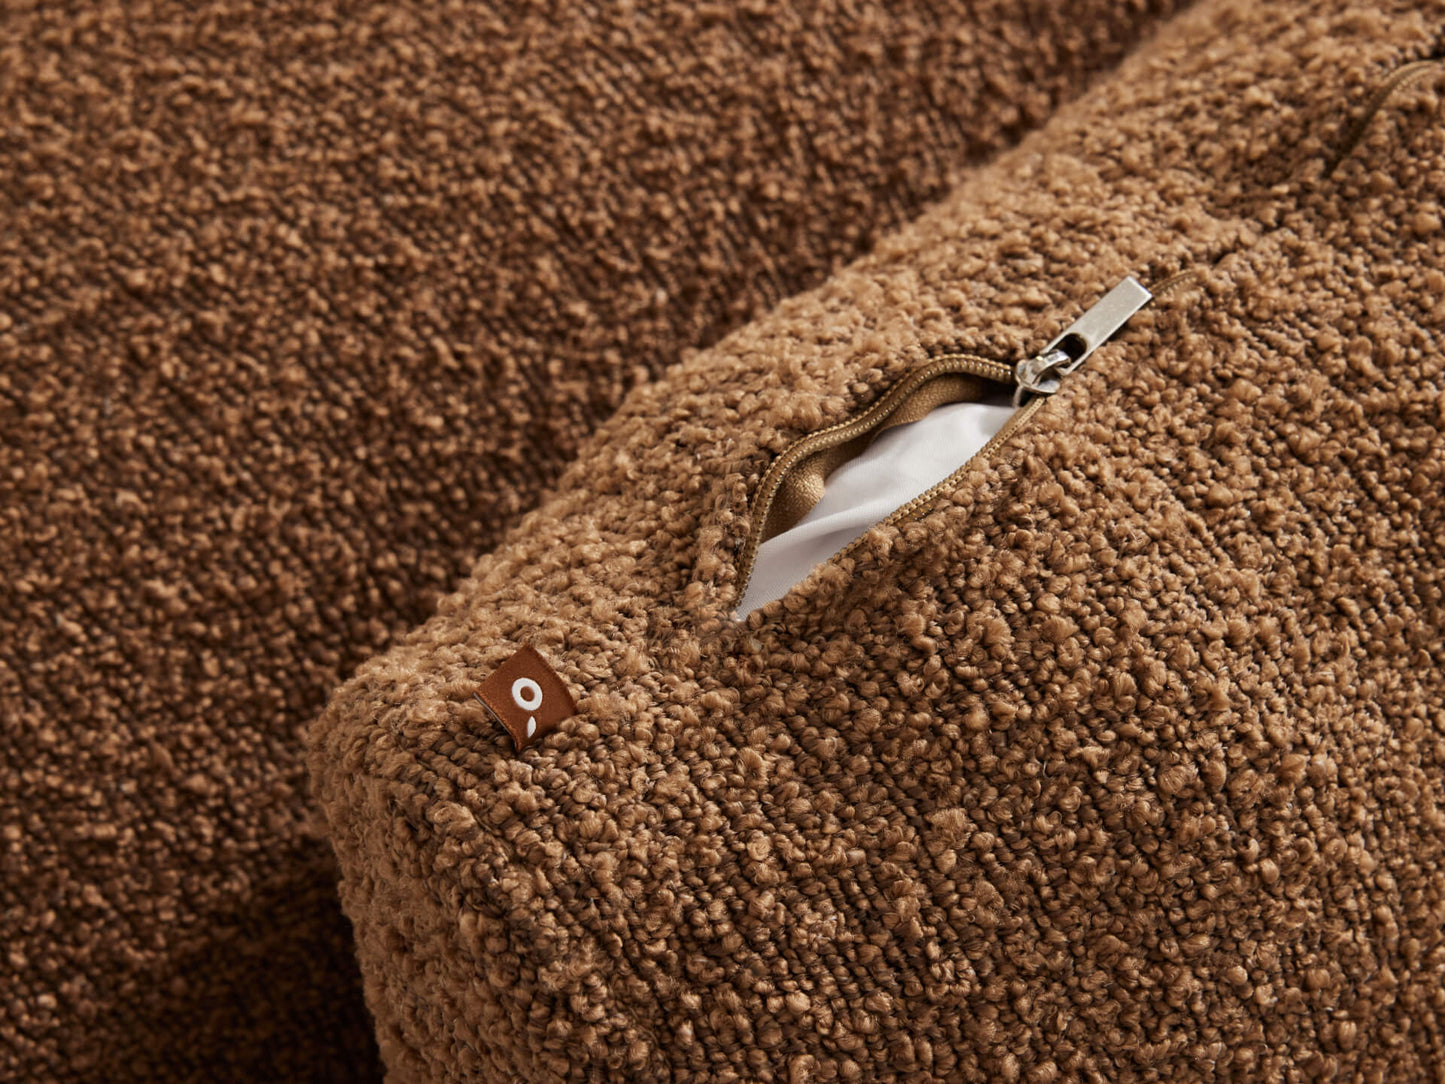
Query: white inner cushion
(902, 463)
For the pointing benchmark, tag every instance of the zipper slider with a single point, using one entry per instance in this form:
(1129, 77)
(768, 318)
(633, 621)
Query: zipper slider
(1043, 373)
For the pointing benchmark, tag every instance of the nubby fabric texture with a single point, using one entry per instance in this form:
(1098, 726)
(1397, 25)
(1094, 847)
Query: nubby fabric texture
(1124, 761)
(302, 304)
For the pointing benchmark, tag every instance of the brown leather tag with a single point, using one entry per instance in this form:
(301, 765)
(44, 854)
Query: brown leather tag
(527, 696)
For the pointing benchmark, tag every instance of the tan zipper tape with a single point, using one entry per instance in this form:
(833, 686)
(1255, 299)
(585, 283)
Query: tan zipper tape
(812, 451)
(802, 487)
(925, 500)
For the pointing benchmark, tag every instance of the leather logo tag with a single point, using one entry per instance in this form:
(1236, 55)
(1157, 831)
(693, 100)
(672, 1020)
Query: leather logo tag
(527, 697)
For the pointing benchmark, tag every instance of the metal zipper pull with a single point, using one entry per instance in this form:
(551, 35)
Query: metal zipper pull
(1044, 372)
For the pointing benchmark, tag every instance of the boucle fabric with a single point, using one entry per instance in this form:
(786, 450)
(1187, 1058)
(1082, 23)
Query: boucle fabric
(1123, 761)
(300, 305)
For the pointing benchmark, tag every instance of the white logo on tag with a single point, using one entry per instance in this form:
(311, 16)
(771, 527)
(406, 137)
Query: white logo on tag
(527, 695)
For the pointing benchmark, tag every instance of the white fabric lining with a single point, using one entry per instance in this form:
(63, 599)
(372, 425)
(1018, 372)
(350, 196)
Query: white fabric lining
(902, 463)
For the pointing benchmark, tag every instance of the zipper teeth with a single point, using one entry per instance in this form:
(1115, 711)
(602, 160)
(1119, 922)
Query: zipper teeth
(921, 503)
(1176, 281)
(1400, 79)
(847, 429)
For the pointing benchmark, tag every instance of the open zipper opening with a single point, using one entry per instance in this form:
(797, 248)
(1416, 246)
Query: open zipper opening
(920, 504)
(794, 482)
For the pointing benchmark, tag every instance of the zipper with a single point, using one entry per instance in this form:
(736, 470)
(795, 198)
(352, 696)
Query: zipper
(1033, 379)
(1043, 373)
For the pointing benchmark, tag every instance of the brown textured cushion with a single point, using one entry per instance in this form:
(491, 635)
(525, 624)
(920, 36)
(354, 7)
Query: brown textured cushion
(1123, 762)
(300, 305)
